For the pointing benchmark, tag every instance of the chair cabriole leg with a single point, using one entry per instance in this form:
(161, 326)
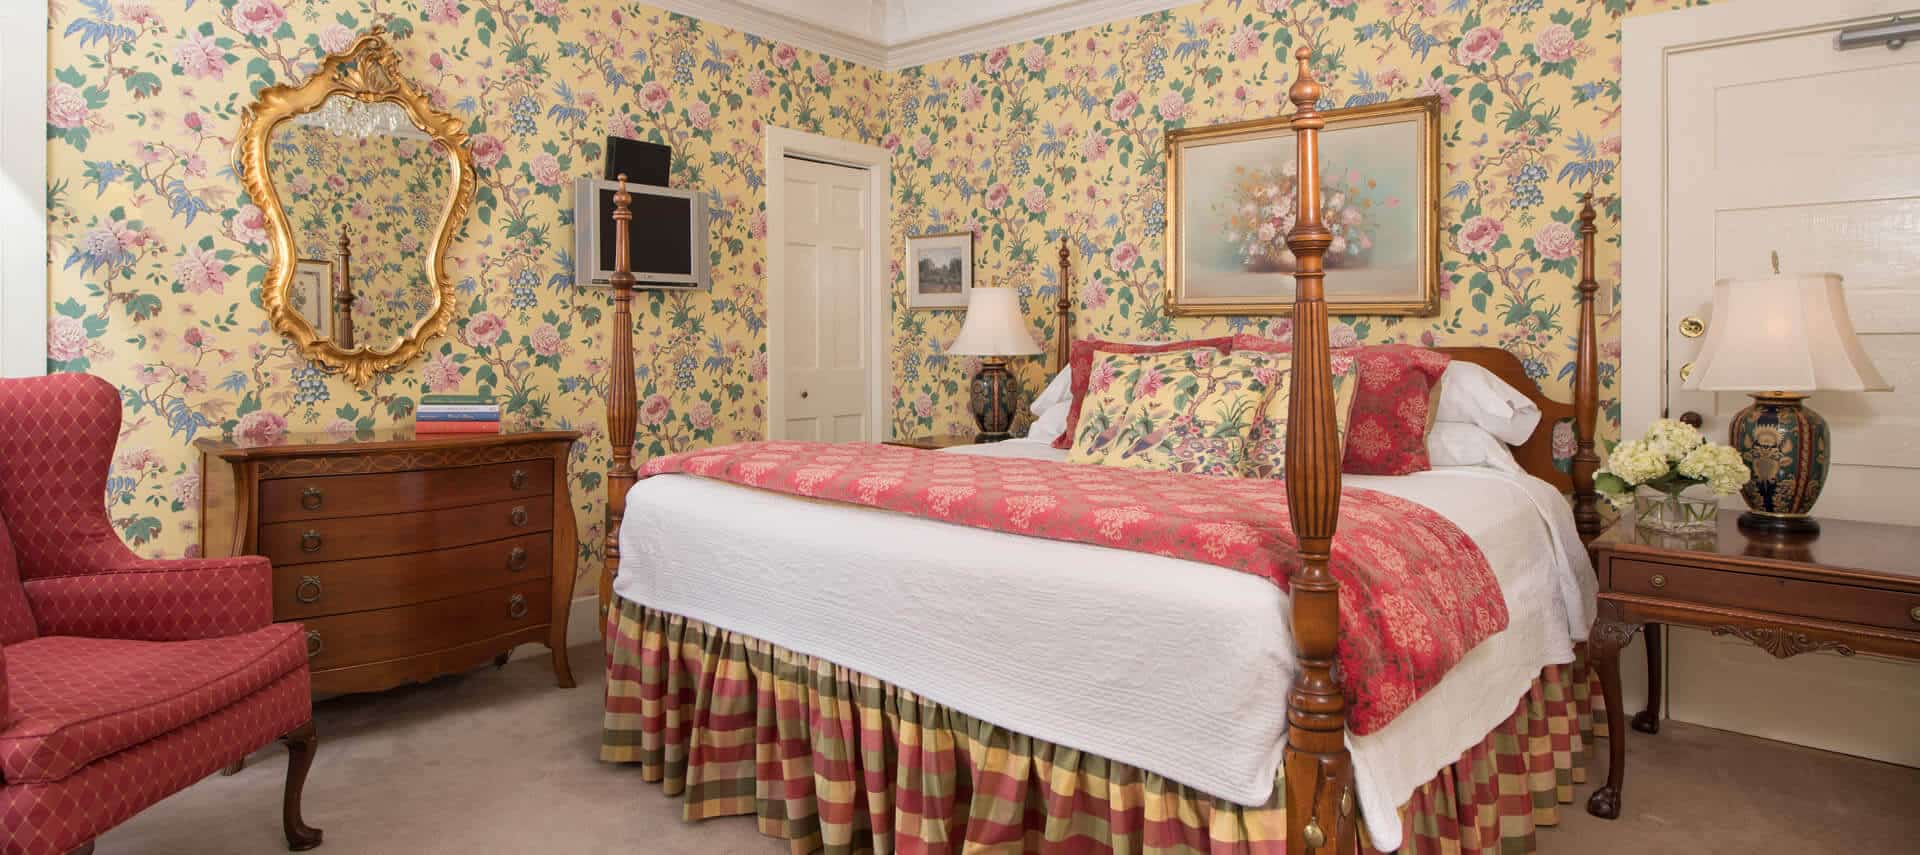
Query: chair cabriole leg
(301, 743)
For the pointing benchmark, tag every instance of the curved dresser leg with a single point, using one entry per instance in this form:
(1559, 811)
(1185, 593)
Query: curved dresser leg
(301, 743)
(1648, 720)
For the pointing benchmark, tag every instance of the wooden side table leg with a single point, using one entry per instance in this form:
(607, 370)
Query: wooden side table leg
(1648, 720)
(1608, 637)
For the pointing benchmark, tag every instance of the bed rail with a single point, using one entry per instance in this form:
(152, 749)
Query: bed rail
(1319, 772)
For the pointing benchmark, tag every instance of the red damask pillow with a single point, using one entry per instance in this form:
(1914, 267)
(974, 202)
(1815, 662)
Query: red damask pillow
(1080, 362)
(1387, 429)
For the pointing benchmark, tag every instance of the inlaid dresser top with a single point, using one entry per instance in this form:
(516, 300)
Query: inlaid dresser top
(1873, 553)
(301, 444)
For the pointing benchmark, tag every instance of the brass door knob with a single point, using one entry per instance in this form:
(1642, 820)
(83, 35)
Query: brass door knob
(311, 498)
(1692, 327)
(1659, 580)
(315, 646)
(517, 559)
(518, 517)
(519, 479)
(309, 590)
(517, 607)
(310, 541)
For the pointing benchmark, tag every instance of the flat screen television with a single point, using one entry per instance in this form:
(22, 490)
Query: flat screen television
(667, 241)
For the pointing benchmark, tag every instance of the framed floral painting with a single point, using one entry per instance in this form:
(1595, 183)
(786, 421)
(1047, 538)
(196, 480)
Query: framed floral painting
(939, 270)
(1231, 201)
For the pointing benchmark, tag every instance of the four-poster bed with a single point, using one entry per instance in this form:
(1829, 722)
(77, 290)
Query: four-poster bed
(707, 710)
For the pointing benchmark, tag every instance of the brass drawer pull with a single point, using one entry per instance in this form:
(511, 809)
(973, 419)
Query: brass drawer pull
(309, 590)
(311, 498)
(519, 479)
(517, 607)
(1659, 580)
(1914, 613)
(310, 541)
(518, 517)
(517, 559)
(315, 646)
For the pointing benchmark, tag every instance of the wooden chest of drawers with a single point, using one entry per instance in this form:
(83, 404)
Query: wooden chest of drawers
(404, 557)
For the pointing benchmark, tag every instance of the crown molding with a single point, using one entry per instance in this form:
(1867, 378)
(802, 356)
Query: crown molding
(781, 28)
(1065, 17)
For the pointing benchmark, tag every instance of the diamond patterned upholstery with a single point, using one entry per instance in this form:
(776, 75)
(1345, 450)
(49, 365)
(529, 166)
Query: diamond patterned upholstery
(122, 679)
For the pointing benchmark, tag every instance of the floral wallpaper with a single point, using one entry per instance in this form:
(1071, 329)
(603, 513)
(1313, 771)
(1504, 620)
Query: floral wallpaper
(389, 192)
(157, 254)
(1063, 137)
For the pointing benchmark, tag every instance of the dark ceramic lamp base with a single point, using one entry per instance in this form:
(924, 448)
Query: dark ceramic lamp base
(993, 403)
(1787, 448)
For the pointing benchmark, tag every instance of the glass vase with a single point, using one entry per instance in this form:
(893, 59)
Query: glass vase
(1673, 513)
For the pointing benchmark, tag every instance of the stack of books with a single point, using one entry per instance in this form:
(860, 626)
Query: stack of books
(456, 414)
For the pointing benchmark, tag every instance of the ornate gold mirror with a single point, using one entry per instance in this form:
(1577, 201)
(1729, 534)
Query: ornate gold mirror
(364, 185)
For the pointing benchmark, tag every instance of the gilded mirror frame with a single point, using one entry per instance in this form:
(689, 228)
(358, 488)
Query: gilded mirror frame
(367, 71)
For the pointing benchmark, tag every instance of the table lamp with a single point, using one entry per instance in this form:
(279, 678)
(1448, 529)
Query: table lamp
(1779, 339)
(994, 328)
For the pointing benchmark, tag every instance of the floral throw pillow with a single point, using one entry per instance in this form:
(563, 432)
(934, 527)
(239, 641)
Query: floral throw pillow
(1177, 411)
(1393, 408)
(1267, 436)
(1080, 362)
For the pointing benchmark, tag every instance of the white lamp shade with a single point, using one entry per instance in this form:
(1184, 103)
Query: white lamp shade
(994, 326)
(1783, 333)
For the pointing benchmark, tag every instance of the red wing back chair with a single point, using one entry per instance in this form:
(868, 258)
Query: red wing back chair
(123, 680)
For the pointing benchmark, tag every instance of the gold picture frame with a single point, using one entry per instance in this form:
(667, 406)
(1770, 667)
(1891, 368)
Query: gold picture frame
(367, 71)
(1230, 201)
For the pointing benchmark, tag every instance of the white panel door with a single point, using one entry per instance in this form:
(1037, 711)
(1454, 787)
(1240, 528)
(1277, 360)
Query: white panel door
(1789, 145)
(826, 298)
(1786, 144)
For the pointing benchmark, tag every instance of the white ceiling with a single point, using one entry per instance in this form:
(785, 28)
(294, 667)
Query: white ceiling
(899, 33)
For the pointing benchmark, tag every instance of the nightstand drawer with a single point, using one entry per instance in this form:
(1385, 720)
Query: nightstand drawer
(1760, 592)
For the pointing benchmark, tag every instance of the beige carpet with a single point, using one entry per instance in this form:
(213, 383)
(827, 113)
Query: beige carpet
(500, 761)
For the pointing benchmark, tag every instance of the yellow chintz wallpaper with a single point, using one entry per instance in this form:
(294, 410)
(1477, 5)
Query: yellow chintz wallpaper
(157, 254)
(1064, 136)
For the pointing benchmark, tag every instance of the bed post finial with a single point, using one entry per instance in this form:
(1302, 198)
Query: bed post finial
(1319, 788)
(1063, 309)
(622, 396)
(1586, 388)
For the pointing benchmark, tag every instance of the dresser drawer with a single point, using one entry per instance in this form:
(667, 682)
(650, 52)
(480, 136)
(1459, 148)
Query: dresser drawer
(309, 541)
(1759, 592)
(325, 496)
(376, 636)
(302, 591)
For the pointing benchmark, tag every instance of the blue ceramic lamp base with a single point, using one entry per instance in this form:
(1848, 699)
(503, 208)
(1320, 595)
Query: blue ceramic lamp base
(1787, 448)
(993, 402)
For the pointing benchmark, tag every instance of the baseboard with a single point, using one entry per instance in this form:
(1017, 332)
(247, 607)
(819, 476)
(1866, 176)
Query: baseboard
(583, 627)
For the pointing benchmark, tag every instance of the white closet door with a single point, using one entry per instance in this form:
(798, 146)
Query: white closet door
(823, 351)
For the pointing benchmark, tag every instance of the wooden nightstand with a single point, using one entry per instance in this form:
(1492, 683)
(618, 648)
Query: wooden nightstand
(1852, 587)
(932, 443)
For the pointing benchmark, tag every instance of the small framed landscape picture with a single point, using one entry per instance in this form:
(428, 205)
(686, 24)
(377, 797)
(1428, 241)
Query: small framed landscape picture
(939, 270)
(312, 294)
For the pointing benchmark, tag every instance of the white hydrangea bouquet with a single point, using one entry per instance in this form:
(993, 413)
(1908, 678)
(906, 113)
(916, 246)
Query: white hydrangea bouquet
(1670, 458)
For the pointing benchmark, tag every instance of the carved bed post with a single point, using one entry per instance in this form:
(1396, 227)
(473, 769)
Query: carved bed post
(622, 397)
(1319, 797)
(1586, 389)
(343, 298)
(1063, 310)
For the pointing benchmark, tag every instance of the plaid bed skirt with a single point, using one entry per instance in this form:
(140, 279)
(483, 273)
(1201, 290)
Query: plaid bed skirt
(830, 758)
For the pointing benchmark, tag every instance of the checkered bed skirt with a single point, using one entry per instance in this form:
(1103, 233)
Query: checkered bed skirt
(832, 759)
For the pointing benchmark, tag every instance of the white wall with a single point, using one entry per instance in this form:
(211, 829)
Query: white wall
(23, 189)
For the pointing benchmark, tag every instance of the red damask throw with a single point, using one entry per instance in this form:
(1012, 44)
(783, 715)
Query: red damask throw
(1416, 593)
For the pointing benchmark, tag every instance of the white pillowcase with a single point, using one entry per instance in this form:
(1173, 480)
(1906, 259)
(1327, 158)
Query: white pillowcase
(1050, 409)
(1470, 394)
(1462, 444)
(1060, 391)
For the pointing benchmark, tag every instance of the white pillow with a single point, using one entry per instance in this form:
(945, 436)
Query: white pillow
(1059, 391)
(1051, 424)
(1461, 444)
(1470, 394)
